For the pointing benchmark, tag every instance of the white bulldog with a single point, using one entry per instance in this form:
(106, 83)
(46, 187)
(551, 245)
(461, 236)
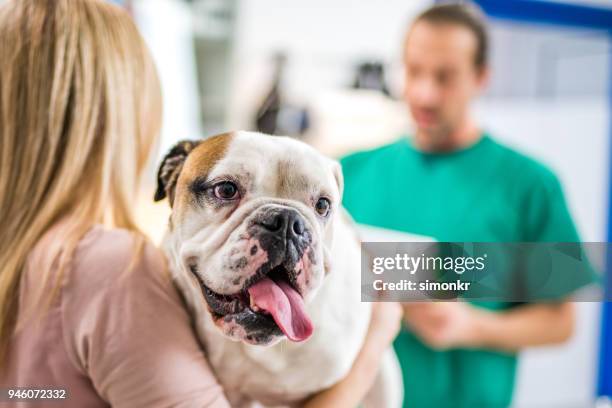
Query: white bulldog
(269, 266)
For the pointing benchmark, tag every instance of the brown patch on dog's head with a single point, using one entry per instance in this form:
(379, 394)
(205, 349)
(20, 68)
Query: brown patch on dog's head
(203, 158)
(203, 154)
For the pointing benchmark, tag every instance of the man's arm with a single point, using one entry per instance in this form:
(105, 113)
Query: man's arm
(524, 326)
(458, 324)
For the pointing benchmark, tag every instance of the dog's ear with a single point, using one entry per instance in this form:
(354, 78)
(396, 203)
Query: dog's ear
(170, 168)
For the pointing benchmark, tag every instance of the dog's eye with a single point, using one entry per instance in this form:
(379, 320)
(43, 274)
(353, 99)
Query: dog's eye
(322, 206)
(226, 190)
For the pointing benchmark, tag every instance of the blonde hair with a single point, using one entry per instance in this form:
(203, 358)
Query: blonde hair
(80, 106)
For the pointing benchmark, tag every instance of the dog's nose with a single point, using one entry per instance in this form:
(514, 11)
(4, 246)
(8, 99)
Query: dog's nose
(284, 220)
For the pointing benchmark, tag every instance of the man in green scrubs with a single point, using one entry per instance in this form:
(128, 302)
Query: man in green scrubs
(454, 182)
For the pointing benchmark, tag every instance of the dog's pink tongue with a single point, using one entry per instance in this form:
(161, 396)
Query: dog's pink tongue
(285, 305)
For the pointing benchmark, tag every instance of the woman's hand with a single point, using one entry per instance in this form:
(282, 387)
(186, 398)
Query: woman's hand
(384, 325)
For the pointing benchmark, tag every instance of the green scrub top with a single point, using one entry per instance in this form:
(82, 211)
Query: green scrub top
(486, 192)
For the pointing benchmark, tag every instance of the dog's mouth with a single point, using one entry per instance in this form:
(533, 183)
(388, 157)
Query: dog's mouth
(268, 300)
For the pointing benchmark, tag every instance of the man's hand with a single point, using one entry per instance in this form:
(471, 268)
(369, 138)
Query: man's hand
(442, 325)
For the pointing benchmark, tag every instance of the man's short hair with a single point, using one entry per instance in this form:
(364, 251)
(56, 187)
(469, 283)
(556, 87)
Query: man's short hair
(466, 15)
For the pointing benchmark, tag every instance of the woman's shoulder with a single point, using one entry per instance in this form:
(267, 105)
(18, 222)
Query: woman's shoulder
(116, 262)
(101, 243)
(111, 251)
(116, 272)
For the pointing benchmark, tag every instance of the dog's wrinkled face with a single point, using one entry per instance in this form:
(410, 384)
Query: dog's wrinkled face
(252, 218)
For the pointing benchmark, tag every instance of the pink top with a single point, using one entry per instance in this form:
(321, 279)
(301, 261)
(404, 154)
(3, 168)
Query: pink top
(111, 338)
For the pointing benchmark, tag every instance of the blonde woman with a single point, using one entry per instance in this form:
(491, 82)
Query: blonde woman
(85, 302)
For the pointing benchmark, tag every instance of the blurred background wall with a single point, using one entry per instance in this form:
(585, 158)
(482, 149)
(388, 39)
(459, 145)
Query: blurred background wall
(547, 97)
